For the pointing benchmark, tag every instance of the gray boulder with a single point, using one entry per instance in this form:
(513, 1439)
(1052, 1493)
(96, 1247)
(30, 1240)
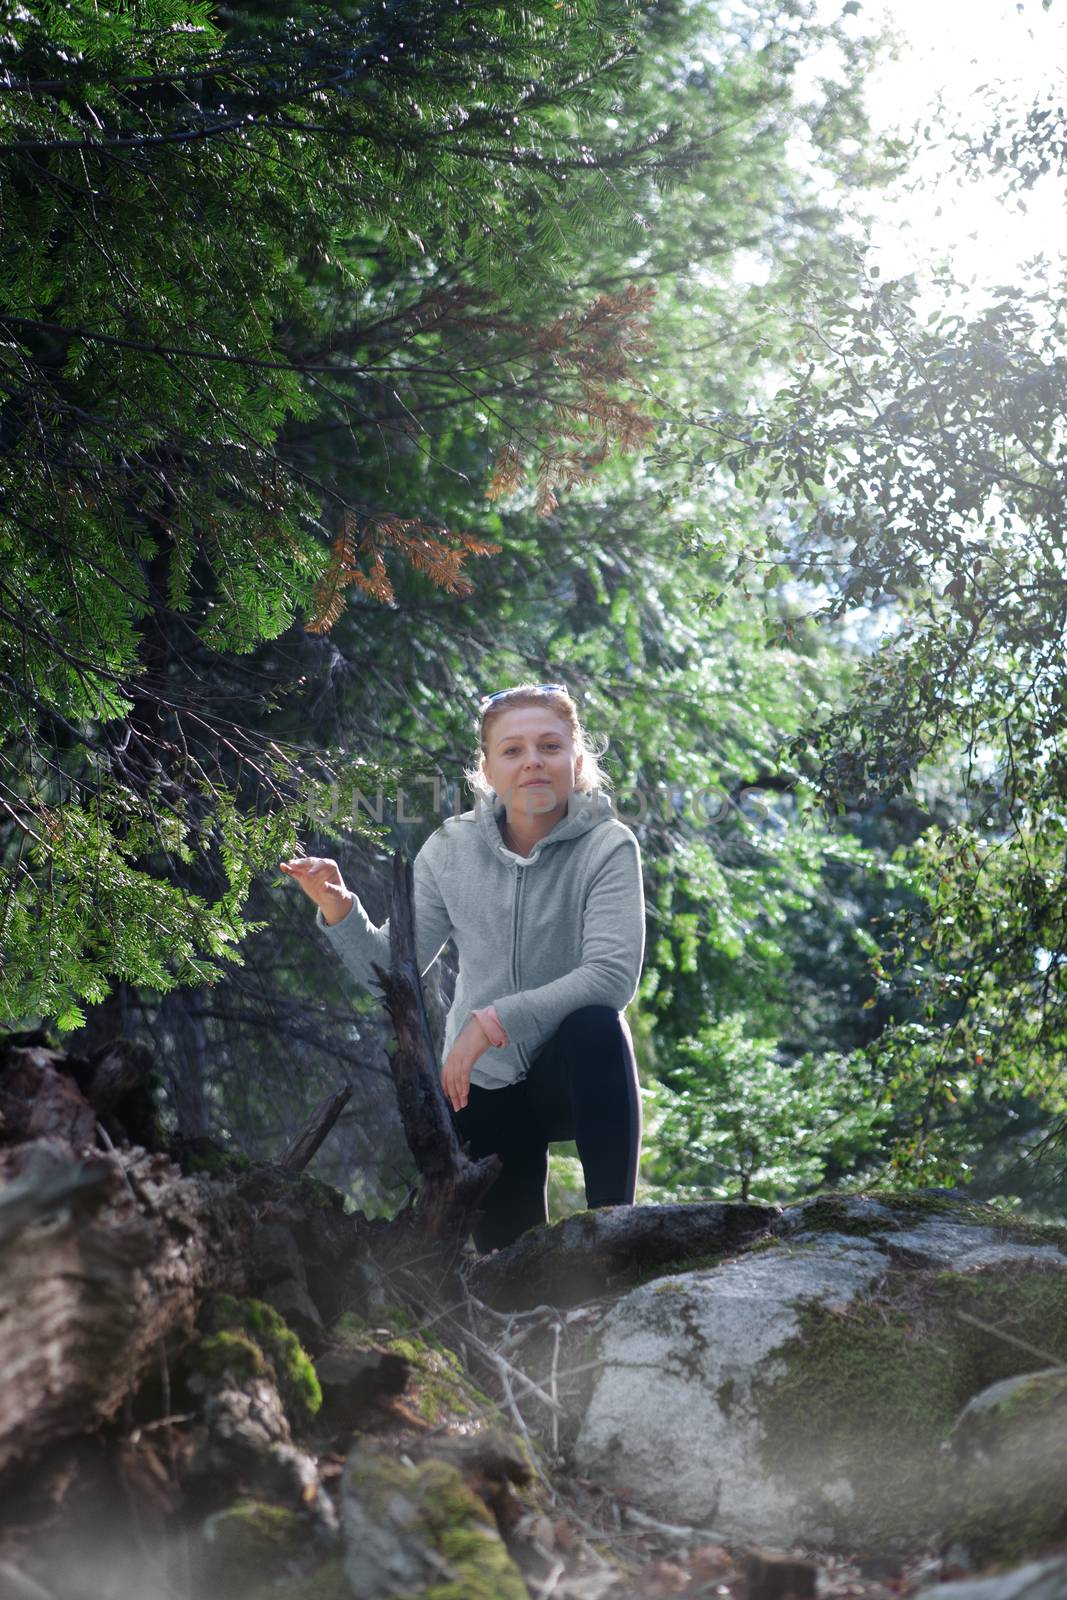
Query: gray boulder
(803, 1390)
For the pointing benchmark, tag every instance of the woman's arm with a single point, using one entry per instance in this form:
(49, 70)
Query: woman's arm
(360, 944)
(613, 949)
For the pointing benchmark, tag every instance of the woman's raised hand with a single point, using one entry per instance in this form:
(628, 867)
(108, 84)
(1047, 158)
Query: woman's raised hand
(321, 880)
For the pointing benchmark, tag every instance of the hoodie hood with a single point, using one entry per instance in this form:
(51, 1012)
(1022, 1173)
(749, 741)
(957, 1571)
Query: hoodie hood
(586, 810)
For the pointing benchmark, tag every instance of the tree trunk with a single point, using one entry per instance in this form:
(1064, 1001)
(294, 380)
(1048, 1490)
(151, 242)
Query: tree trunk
(452, 1184)
(187, 1061)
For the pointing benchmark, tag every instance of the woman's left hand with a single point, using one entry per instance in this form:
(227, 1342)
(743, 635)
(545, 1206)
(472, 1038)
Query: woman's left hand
(471, 1043)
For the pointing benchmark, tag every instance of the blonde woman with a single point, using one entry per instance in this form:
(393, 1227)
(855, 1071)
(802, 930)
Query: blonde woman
(540, 887)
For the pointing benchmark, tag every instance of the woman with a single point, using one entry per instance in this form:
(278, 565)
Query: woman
(540, 887)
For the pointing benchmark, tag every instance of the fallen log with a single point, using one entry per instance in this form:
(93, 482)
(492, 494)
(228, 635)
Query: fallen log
(567, 1262)
(102, 1257)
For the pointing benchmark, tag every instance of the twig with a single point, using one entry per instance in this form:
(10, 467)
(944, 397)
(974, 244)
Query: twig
(553, 1388)
(547, 1588)
(1011, 1338)
(449, 1311)
(517, 1418)
(503, 1365)
(585, 1366)
(672, 1529)
(160, 1422)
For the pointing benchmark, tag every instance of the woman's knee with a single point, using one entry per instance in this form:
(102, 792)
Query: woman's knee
(598, 1049)
(591, 1022)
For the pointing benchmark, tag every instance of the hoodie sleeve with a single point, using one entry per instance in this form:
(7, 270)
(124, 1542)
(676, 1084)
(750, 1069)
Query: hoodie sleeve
(360, 944)
(613, 948)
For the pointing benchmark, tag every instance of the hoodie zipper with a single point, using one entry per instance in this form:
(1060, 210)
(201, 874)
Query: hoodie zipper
(520, 882)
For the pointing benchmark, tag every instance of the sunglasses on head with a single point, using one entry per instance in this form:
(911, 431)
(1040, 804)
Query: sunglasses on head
(539, 688)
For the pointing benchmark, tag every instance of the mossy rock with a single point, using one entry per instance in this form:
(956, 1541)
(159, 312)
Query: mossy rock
(352, 1329)
(615, 1248)
(402, 1522)
(845, 1211)
(880, 1387)
(237, 1329)
(438, 1388)
(1008, 1486)
(248, 1545)
(233, 1352)
(804, 1391)
(328, 1582)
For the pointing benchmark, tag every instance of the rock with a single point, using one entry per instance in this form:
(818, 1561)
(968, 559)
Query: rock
(291, 1300)
(276, 1255)
(247, 1437)
(352, 1378)
(592, 1251)
(1010, 1453)
(933, 1239)
(252, 1373)
(1014, 1403)
(800, 1391)
(410, 1529)
(1037, 1580)
(328, 1582)
(249, 1544)
(673, 1416)
(438, 1388)
(491, 1453)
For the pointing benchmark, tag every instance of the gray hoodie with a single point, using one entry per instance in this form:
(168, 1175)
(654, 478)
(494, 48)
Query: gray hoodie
(538, 936)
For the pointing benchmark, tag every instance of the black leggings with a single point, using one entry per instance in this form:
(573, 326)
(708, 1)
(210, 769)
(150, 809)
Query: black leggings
(582, 1085)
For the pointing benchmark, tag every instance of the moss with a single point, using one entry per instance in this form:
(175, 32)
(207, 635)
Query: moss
(25, 1038)
(705, 1261)
(320, 1194)
(229, 1352)
(484, 1570)
(439, 1388)
(1037, 1388)
(352, 1329)
(327, 1583)
(245, 1545)
(830, 1213)
(260, 1324)
(766, 1241)
(209, 1157)
(1009, 1496)
(871, 1393)
(455, 1521)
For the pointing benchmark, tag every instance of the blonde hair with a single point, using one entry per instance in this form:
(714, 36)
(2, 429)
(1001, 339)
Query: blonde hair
(591, 776)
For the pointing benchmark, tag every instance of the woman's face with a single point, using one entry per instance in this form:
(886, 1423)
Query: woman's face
(531, 762)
